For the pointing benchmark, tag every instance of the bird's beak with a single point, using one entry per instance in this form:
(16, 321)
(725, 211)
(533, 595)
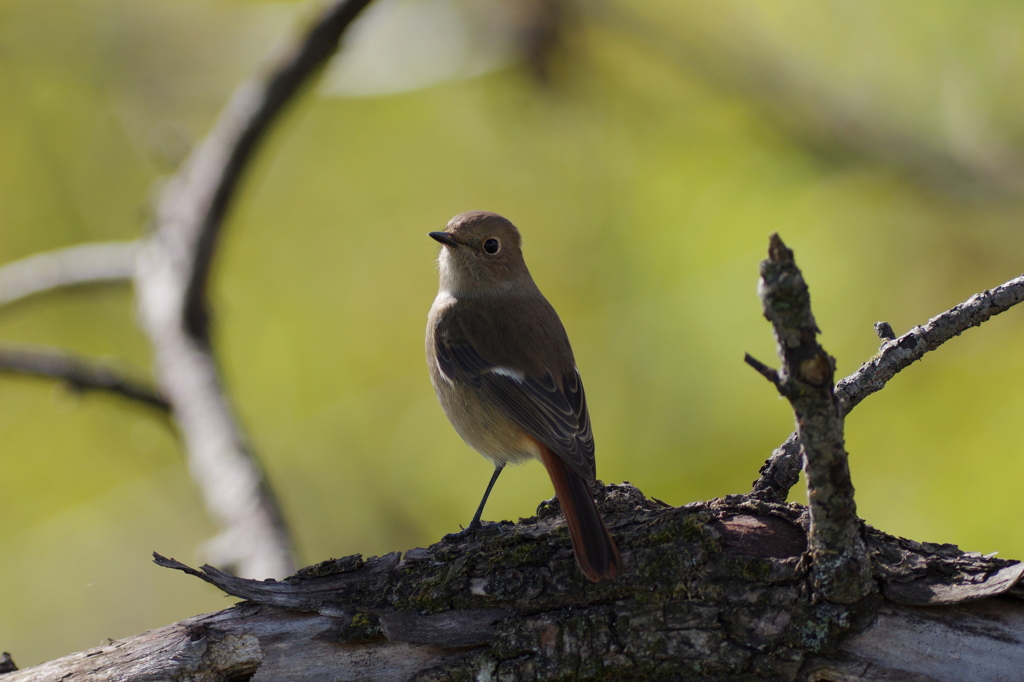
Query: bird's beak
(444, 238)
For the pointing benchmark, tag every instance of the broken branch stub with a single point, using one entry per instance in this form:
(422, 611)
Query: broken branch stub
(841, 570)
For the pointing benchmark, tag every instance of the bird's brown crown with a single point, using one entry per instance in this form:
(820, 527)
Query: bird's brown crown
(481, 252)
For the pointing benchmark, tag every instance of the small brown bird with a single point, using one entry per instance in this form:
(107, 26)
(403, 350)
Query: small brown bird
(502, 367)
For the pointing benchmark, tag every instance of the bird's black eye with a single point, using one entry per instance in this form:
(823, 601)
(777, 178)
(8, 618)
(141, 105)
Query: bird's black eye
(492, 246)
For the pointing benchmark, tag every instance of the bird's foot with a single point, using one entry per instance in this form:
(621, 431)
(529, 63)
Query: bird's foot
(475, 526)
(549, 508)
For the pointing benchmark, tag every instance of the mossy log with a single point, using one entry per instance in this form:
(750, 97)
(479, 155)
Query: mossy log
(713, 590)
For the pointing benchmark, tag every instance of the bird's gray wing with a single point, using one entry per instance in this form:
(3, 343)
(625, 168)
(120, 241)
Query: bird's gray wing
(553, 412)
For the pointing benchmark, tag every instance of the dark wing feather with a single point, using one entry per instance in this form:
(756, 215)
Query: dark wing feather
(557, 417)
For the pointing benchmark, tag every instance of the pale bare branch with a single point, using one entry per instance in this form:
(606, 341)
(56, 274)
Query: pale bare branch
(171, 285)
(81, 265)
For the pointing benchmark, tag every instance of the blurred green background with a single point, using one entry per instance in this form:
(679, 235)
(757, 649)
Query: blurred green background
(646, 156)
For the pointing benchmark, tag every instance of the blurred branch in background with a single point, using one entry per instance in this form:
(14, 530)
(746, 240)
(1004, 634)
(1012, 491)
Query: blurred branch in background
(405, 46)
(541, 29)
(802, 107)
(171, 282)
(170, 269)
(81, 265)
(79, 375)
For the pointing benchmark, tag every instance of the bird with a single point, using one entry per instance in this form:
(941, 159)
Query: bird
(505, 375)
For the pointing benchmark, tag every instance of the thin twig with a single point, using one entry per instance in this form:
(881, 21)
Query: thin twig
(171, 283)
(780, 472)
(85, 264)
(897, 354)
(841, 570)
(80, 374)
(764, 370)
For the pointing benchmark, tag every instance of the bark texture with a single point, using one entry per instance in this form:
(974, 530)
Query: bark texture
(714, 590)
(842, 571)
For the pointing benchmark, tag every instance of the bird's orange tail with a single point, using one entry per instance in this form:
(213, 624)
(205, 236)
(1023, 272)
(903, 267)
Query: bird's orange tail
(595, 549)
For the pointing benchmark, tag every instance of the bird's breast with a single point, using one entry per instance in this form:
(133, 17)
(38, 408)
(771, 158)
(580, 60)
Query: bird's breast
(483, 426)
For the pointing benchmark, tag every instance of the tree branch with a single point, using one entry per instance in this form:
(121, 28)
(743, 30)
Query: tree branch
(841, 570)
(897, 354)
(712, 590)
(764, 370)
(85, 264)
(171, 282)
(80, 375)
(780, 472)
(192, 209)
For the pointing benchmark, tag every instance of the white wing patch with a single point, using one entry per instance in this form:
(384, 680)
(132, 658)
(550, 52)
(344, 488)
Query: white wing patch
(513, 374)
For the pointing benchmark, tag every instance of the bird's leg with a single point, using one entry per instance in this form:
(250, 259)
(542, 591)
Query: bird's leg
(475, 523)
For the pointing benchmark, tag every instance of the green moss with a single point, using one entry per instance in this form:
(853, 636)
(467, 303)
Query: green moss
(343, 565)
(438, 587)
(660, 566)
(362, 626)
(755, 569)
(520, 553)
(695, 530)
(822, 626)
(663, 535)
